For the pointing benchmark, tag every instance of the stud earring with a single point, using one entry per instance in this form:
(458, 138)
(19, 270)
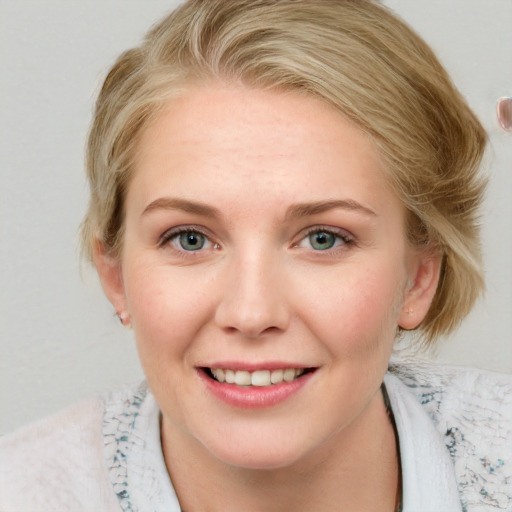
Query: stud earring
(123, 317)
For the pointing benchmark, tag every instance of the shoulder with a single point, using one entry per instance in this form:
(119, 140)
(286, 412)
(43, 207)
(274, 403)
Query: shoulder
(472, 410)
(57, 463)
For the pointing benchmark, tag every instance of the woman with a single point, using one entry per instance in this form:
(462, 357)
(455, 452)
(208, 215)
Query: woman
(280, 189)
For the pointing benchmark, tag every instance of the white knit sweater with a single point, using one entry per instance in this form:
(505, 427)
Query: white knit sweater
(454, 427)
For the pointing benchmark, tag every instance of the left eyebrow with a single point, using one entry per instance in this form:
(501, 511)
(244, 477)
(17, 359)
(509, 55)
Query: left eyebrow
(314, 208)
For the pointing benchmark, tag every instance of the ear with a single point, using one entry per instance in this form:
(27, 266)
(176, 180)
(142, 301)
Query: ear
(110, 273)
(424, 269)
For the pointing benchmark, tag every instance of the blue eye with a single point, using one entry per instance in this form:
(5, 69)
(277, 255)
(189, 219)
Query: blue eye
(186, 240)
(191, 240)
(322, 240)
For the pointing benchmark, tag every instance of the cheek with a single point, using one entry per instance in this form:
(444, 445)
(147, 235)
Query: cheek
(357, 311)
(166, 307)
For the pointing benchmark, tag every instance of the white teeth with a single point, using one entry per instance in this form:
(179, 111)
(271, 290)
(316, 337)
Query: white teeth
(242, 378)
(289, 375)
(230, 376)
(277, 376)
(219, 375)
(260, 378)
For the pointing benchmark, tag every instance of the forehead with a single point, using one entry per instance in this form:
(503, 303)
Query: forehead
(222, 141)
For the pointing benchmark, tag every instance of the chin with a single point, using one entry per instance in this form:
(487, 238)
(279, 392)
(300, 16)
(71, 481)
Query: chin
(258, 460)
(260, 451)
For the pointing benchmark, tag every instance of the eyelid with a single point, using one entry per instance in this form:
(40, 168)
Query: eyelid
(173, 232)
(344, 243)
(345, 235)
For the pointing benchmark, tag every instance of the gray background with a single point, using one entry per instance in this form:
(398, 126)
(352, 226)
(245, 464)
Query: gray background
(59, 338)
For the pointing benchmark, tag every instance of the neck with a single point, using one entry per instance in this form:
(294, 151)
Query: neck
(358, 469)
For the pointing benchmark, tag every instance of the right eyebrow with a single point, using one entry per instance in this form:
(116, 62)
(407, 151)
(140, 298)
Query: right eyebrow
(174, 203)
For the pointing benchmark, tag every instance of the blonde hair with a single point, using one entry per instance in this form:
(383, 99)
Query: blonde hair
(354, 54)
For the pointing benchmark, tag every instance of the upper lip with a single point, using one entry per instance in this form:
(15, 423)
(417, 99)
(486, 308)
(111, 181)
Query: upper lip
(252, 366)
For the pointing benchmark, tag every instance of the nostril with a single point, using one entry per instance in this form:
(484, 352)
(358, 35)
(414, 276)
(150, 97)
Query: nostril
(271, 330)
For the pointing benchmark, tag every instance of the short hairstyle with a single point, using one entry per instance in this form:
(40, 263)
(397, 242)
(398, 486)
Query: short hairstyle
(357, 56)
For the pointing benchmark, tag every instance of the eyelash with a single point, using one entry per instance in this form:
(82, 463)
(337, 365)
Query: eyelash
(173, 233)
(346, 238)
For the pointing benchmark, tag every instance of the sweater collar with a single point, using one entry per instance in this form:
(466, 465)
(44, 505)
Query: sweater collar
(141, 482)
(428, 476)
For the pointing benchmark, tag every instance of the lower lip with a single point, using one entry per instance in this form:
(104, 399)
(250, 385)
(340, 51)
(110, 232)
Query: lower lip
(254, 397)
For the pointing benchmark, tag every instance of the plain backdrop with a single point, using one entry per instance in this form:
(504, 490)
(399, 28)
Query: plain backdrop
(59, 338)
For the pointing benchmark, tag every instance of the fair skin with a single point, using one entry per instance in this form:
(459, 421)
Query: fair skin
(261, 235)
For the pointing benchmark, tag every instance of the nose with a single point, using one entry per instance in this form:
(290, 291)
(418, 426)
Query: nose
(253, 297)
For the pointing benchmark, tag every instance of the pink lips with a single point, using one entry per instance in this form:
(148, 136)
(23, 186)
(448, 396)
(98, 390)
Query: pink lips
(252, 397)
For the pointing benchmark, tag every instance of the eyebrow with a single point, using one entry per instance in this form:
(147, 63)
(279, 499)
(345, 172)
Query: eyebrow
(314, 208)
(171, 203)
(294, 211)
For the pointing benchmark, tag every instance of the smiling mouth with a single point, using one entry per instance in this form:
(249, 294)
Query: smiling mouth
(258, 378)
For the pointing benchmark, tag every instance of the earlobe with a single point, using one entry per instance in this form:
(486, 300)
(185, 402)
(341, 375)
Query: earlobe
(110, 273)
(424, 277)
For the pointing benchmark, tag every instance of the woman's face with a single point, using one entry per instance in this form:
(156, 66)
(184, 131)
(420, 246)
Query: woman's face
(262, 245)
